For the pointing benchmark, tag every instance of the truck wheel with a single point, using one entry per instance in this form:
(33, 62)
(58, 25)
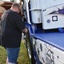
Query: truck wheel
(29, 48)
(28, 51)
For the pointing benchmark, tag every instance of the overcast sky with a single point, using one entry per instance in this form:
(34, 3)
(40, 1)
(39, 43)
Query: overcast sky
(9, 0)
(4, 0)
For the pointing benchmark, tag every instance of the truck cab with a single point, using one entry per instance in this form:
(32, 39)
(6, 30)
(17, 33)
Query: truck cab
(45, 23)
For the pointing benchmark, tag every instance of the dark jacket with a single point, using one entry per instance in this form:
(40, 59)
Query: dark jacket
(11, 36)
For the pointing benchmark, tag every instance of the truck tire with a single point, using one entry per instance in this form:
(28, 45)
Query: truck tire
(29, 48)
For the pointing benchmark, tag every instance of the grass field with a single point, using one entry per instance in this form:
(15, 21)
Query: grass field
(23, 59)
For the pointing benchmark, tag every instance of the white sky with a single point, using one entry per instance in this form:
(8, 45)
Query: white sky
(9, 0)
(4, 0)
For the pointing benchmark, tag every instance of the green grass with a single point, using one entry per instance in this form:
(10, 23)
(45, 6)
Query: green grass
(2, 55)
(22, 59)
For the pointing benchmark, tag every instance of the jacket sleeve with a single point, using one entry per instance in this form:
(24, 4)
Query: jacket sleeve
(20, 24)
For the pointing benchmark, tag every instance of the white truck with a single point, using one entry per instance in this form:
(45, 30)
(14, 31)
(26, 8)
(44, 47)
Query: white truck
(45, 23)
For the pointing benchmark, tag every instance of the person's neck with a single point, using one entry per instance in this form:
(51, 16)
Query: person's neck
(13, 9)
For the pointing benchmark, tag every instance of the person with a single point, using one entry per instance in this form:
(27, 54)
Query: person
(12, 28)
